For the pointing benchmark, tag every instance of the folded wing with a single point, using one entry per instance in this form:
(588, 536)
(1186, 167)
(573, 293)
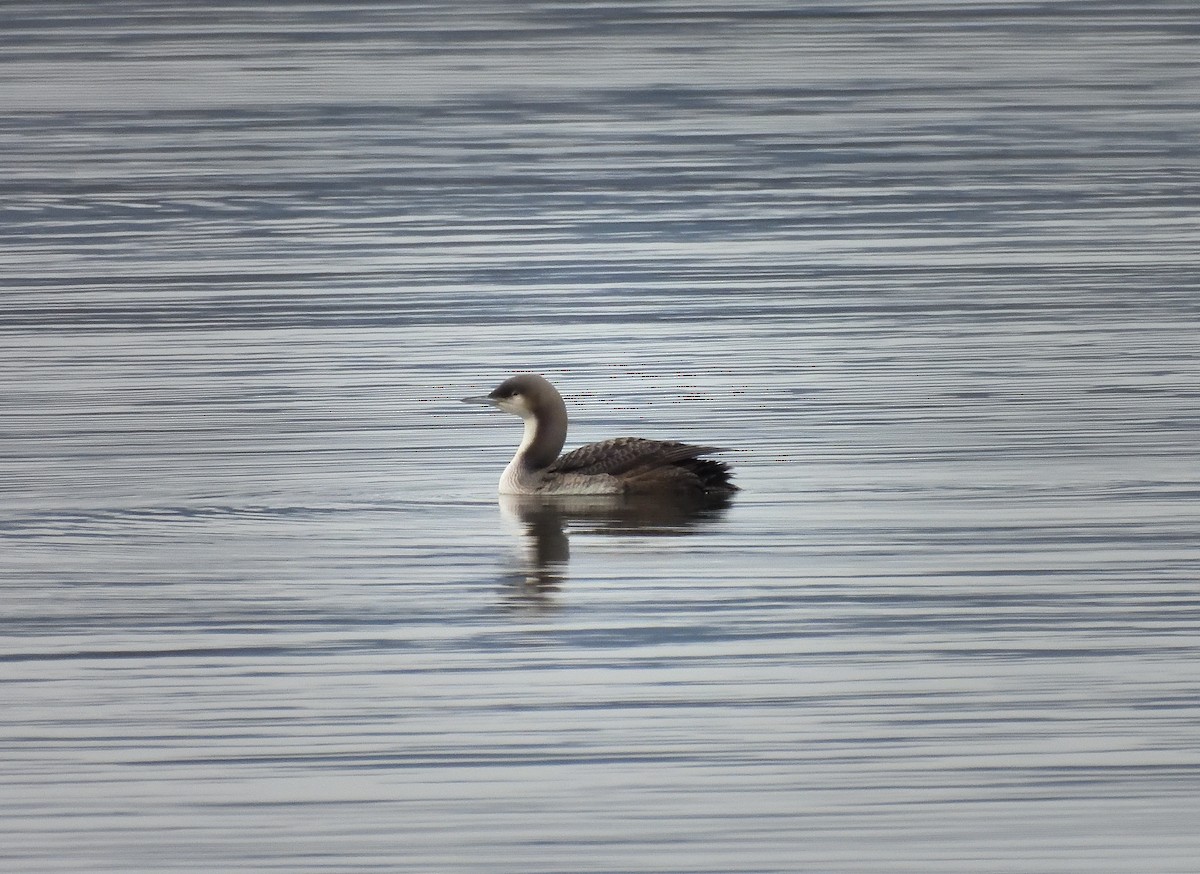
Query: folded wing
(624, 455)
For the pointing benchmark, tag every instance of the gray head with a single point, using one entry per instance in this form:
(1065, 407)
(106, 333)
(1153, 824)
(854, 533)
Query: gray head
(541, 406)
(526, 395)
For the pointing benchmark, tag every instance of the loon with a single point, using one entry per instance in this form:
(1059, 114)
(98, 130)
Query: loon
(621, 466)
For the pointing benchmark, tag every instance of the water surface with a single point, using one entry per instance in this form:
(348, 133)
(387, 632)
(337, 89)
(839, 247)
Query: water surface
(927, 269)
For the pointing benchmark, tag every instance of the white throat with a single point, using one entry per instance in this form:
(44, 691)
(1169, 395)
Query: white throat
(518, 478)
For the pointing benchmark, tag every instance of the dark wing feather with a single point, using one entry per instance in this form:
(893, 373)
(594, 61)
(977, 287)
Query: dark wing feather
(624, 455)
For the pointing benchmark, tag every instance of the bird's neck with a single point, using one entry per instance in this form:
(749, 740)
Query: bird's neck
(540, 445)
(543, 439)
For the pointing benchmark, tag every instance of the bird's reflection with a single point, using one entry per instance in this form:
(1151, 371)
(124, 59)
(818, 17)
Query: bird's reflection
(543, 523)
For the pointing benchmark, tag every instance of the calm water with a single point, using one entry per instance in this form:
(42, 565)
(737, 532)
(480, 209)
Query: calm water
(929, 269)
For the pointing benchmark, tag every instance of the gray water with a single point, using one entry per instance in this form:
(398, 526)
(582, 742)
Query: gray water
(927, 269)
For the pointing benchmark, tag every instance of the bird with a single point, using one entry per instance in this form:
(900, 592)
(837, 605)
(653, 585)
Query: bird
(621, 466)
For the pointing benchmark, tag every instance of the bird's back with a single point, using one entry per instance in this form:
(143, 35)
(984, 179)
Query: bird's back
(643, 465)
